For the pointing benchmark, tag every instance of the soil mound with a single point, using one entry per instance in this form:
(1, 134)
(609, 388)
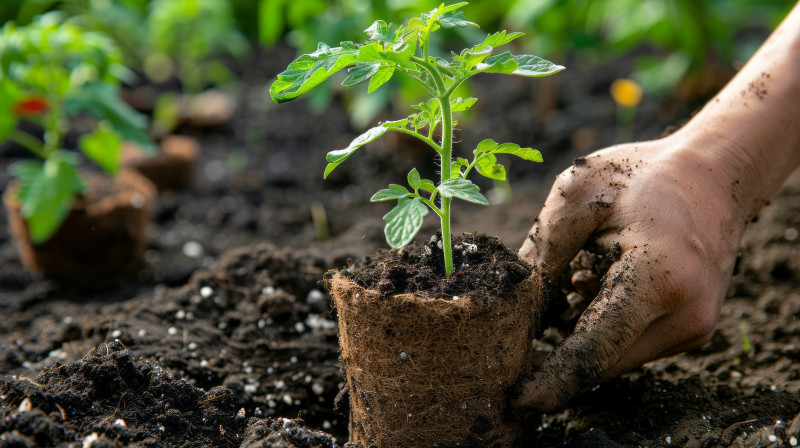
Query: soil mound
(108, 399)
(482, 267)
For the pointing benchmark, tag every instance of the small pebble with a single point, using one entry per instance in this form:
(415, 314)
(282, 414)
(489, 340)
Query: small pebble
(668, 440)
(137, 200)
(270, 290)
(293, 359)
(299, 327)
(206, 291)
(90, 439)
(315, 295)
(193, 249)
(317, 388)
(25, 406)
(116, 333)
(403, 355)
(180, 314)
(791, 234)
(172, 331)
(192, 346)
(288, 399)
(772, 438)
(142, 332)
(793, 441)
(121, 423)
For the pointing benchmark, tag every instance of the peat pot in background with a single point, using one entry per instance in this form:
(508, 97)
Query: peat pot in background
(104, 234)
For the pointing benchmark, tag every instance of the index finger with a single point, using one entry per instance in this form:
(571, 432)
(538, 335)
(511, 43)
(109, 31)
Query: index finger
(605, 332)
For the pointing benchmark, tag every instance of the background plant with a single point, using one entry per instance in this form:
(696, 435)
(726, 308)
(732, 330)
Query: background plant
(405, 51)
(52, 71)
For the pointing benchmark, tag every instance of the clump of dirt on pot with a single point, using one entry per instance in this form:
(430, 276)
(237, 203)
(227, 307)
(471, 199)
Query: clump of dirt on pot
(428, 357)
(482, 267)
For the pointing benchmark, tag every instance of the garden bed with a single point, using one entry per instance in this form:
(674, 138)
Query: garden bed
(232, 301)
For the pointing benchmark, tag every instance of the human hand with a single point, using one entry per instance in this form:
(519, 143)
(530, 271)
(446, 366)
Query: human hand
(678, 226)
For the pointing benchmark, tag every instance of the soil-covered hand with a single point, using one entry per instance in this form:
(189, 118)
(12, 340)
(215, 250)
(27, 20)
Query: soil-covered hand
(678, 229)
(677, 207)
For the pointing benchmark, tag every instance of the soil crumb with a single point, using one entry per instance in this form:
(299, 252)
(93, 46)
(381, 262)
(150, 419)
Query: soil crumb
(482, 267)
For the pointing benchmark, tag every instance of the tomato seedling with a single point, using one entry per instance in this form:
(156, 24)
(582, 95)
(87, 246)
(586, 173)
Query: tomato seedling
(50, 71)
(405, 51)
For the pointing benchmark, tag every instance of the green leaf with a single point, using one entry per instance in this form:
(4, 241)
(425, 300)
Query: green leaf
(427, 185)
(490, 146)
(523, 153)
(403, 222)
(524, 65)
(395, 124)
(380, 78)
(9, 94)
(456, 165)
(47, 192)
(487, 166)
(361, 72)
(462, 189)
(102, 101)
(103, 147)
(471, 57)
(370, 52)
(453, 20)
(309, 70)
(270, 21)
(459, 104)
(393, 192)
(495, 40)
(414, 179)
(335, 158)
(381, 32)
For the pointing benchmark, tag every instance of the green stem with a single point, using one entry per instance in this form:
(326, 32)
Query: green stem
(52, 128)
(421, 137)
(417, 80)
(28, 141)
(447, 151)
(437, 77)
(430, 204)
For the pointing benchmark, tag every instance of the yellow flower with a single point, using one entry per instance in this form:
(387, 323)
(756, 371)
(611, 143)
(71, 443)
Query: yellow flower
(626, 92)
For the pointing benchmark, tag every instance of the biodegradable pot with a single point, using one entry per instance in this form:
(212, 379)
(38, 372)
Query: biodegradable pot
(103, 235)
(433, 371)
(172, 168)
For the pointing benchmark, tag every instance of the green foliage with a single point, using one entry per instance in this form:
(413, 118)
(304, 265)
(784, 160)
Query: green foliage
(46, 192)
(189, 32)
(405, 51)
(51, 70)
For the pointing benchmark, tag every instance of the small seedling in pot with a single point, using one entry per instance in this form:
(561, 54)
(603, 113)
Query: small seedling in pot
(405, 51)
(51, 71)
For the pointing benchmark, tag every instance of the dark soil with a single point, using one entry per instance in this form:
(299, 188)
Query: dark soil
(254, 324)
(482, 267)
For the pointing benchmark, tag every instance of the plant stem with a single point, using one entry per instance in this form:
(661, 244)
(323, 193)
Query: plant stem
(28, 141)
(447, 151)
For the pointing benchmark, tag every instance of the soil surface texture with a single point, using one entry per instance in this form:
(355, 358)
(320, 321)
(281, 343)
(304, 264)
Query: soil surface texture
(228, 336)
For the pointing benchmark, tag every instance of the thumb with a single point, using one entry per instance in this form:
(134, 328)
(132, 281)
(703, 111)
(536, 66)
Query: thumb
(573, 210)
